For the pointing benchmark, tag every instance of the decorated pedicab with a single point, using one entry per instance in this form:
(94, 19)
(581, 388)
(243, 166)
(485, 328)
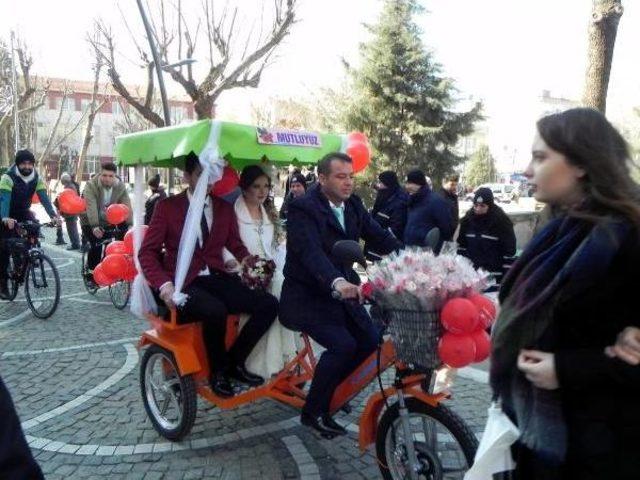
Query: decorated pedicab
(415, 434)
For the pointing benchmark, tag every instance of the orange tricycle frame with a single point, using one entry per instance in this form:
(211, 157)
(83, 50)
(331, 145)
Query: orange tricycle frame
(185, 342)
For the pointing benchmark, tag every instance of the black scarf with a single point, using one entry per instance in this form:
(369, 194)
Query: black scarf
(568, 256)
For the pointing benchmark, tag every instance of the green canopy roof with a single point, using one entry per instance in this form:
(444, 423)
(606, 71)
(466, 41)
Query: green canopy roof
(238, 144)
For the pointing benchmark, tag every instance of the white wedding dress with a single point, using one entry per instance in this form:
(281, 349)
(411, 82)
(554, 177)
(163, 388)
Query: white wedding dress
(278, 345)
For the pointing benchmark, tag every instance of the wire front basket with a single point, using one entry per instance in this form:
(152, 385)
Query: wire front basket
(415, 336)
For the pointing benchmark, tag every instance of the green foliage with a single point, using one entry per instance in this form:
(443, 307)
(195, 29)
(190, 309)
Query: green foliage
(481, 168)
(401, 100)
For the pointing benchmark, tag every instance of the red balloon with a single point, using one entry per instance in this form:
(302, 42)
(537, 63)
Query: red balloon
(483, 345)
(100, 277)
(460, 316)
(116, 247)
(131, 271)
(486, 309)
(357, 137)
(77, 206)
(360, 155)
(227, 183)
(128, 239)
(70, 203)
(35, 198)
(457, 351)
(115, 265)
(117, 213)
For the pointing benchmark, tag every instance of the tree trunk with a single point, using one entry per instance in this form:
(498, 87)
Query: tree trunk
(602, 38)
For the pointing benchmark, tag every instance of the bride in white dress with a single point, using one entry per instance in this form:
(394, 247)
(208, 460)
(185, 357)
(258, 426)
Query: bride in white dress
(261, 232)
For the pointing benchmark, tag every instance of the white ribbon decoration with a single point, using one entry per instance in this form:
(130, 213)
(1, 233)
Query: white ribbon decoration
(142, 300)
(212, 167)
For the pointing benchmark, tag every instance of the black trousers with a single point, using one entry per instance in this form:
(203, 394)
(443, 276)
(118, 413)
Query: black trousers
(94, 256)
(211, 299)
(348, 345)
(4, 234)
(16, 460)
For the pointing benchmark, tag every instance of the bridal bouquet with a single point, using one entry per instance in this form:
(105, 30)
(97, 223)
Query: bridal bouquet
(416, 279)
(257, 272)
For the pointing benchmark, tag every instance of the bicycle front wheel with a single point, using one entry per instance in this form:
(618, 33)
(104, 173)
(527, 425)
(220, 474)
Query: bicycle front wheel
(444, 444)
(13, 274)
(119, 293)
(42, 286)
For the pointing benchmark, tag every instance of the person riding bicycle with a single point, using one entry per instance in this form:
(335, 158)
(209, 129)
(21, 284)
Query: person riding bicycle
(101, 191)
(17, 188)
(329, 212)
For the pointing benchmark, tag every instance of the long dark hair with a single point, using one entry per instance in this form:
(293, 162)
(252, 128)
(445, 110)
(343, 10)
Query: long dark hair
(249, 175)
(590, 142)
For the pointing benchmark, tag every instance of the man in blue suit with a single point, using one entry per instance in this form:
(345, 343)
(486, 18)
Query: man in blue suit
(329, 212)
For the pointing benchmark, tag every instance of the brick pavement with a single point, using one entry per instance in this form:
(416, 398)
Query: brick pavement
(75, 381)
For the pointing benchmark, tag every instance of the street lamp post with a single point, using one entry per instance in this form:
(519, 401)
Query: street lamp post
(158, 66)
(16, 125)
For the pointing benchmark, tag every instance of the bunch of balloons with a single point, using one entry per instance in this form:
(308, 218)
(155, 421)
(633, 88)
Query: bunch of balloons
(359, 150)
(118, 264)
(70, 203)
(466, 321)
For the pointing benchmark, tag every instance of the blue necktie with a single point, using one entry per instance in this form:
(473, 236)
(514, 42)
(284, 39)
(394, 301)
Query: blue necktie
(339, 213)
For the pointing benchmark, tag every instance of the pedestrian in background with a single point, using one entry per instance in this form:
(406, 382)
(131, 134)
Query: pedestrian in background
(564, 302)
(389, 210)
(297, 188)
(486, 235)
(449, 192)
(71, 221)
(427, 210)
(157, 194)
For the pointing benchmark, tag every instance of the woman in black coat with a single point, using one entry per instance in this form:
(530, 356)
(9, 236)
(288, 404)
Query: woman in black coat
(486, 235)
(389, 210)
(563, 303)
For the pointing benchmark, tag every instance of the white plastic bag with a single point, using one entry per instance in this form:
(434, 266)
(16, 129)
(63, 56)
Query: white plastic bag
(494, 451)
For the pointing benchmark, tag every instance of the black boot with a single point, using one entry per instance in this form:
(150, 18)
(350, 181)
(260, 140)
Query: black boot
(331, 424)
(243, 375)
(220, 385)
(4, 289)
(314, 423)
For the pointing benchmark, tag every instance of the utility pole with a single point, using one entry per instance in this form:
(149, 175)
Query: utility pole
(16, 125)
(158, 66)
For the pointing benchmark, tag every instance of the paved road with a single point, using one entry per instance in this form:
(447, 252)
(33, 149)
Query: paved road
(74, 379)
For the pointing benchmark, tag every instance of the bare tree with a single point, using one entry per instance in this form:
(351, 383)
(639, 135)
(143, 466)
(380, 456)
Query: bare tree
(603, 29)
(233, 62)
(31, 96)
(94, 107)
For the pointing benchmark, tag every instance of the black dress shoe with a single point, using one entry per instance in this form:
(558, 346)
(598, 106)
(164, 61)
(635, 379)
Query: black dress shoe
(220, 385)
(331, 424)
(314, 423)
(242, 375)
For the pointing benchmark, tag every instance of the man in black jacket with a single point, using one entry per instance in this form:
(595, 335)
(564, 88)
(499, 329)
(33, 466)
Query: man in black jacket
(450, 193)
(326, 214)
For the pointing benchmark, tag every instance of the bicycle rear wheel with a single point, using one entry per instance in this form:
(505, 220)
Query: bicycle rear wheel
(13, 276)
(119, 293)
(87, 275)
(42, 286)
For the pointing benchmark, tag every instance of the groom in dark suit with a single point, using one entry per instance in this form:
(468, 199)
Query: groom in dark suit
(329, 212)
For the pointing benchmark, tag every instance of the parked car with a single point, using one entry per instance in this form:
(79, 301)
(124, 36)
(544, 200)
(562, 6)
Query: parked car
(502, 192)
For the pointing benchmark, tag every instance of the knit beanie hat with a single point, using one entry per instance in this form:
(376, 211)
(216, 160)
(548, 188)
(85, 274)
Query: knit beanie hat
(417, 177)
(389, 179)
(483, 195)
(24, 156)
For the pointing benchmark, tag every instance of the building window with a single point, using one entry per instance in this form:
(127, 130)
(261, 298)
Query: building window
(177, 114)
(69, 104)
(91, 165)
(117, 108)
(85, 103)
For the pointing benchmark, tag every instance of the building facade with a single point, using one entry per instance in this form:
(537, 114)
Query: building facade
(115, 117)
